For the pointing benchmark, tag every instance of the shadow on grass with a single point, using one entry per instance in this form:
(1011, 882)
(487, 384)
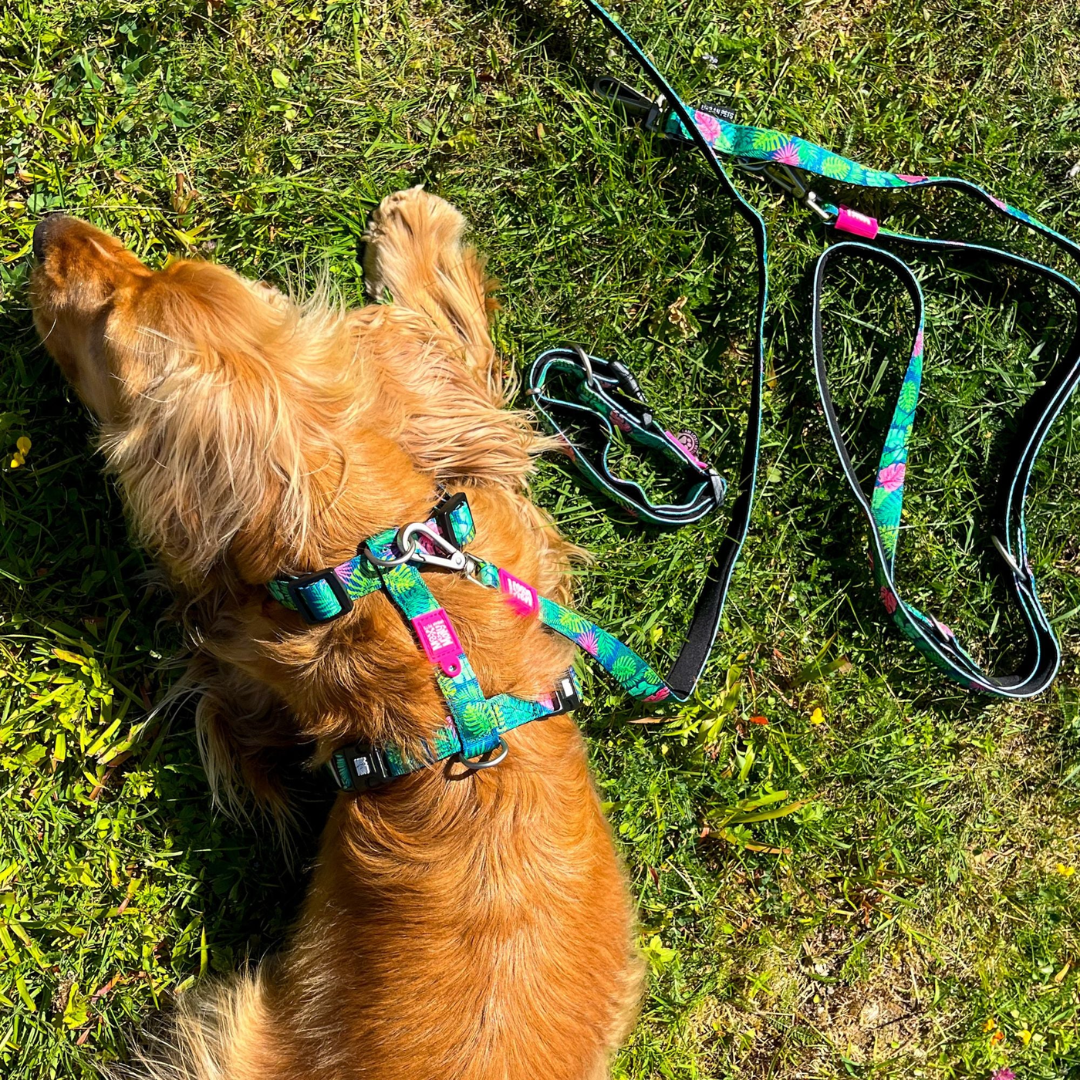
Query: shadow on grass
(71, 579)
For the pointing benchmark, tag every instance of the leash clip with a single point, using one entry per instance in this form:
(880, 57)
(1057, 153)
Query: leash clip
(452, 557)
(789, 182)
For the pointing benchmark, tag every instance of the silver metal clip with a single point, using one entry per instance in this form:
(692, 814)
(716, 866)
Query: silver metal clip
(811, 201)
(789, 182)
(452, 558)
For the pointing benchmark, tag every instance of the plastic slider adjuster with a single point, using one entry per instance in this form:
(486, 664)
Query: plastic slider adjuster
(453, 517)
(319, 598)
(364, 767)
(567, 696)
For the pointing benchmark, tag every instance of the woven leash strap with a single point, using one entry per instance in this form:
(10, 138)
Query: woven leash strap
(757, 149)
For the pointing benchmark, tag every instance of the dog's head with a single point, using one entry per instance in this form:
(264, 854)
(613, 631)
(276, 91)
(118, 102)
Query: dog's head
(223, 405)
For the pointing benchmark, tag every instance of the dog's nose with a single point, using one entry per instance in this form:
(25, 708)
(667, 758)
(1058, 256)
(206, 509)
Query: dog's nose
(46, 230)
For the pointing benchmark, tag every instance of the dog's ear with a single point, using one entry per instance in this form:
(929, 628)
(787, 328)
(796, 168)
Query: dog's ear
(209, 443)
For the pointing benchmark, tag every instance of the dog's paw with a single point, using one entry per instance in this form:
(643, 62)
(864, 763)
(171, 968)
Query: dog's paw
(411, 235)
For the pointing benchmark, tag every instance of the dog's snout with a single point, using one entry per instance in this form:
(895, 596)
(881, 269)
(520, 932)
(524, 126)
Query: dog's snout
(47, 229)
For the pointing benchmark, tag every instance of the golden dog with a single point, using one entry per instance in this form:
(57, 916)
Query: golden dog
(460, 925)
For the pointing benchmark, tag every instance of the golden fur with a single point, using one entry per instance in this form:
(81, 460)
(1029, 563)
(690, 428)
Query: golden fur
(473, 926)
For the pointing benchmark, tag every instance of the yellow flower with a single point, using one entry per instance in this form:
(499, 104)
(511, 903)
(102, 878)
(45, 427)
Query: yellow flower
(817, 717)
(1025, 1036)
(990, 1024)
(22, 448)
(1065, 871)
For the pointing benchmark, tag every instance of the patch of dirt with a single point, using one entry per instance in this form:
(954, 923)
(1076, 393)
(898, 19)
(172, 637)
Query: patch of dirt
(870, 1022)
(823, 21)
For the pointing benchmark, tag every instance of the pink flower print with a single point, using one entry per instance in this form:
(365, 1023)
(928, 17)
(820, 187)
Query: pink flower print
(917, 348)
(659, 695)
(998, 203)
(888, 599)
(587, 641)
(708, 125)
(892, 476)
(911, 179)
(788, 154)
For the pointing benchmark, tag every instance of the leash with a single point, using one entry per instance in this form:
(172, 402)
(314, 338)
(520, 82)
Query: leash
(392, 562)
(783, 160)
(606, 393)
(705, 623)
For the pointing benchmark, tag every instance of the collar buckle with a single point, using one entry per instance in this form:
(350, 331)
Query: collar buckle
(360, 767)
(567, 695)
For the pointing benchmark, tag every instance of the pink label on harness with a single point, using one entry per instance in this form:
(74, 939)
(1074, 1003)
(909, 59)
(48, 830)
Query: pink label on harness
(521, 597)
(851, 221)
(439, 641)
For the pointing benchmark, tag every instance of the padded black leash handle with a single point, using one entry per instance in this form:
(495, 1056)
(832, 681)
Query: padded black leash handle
(607, 396)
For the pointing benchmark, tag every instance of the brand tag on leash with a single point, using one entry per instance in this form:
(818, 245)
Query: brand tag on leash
(721, 112)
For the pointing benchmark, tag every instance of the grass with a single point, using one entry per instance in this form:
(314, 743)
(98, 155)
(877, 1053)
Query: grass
(913, 912)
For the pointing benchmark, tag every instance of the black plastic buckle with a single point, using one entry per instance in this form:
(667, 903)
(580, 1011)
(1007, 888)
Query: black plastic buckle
(445, 522)
(567, 696)
(366, 766)
(295, 589)
(627, 383)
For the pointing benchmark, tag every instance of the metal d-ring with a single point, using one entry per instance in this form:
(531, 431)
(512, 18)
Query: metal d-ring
(586, 363)
(475, 764)
(399, 561)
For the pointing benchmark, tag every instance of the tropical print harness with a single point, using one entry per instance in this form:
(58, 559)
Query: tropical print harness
(475, 724)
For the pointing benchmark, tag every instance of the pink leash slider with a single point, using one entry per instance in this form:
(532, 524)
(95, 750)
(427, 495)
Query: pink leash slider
(851, 221)
(439, 640)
